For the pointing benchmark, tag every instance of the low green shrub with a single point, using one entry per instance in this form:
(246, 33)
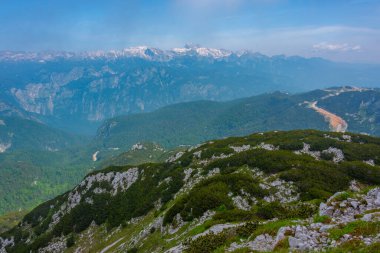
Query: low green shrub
(207, 243)
(356, 228)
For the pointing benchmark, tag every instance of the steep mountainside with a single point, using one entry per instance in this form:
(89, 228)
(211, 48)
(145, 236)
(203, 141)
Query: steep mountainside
(22, 134)
(37, 162)
(32, 176)
(194, 122)
(275, 191)
(77, 91)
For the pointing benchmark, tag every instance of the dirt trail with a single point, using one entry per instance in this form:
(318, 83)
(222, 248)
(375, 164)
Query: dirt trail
(337, 124)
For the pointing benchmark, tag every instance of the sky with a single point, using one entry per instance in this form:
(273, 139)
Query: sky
(340, 30)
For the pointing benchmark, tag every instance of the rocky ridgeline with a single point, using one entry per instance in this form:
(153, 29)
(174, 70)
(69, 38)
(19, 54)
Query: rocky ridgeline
(236, 149)
(338, 154)
(119, 181)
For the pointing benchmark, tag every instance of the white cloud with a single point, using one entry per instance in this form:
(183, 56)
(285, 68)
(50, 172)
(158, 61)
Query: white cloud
(344, 47)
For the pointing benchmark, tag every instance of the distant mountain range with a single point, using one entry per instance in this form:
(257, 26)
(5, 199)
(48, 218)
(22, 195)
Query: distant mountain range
(40, 161)
(77, 91)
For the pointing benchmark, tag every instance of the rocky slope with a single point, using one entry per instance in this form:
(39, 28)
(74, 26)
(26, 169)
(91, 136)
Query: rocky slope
(275, 191)
(78, 90)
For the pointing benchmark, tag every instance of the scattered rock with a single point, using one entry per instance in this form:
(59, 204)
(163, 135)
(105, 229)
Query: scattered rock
(241, 149)
(175, 157)
(370, 162)
(138, 146)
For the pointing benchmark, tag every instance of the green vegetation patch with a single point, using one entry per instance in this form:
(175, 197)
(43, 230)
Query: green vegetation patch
(356, 228)
(213, 193)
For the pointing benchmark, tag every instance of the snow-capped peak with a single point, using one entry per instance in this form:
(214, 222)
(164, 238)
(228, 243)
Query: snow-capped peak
(202, 51)
(144, 52)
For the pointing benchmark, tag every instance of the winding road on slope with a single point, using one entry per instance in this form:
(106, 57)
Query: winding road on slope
(337, 124)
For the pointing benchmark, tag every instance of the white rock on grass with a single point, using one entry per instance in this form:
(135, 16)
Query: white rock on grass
(198, 154)
(176, 249)
(206, 216)
(306, 150)
(284, 192)
(138, 146)
(338, 154)
(241, 148)
(155, 225)
(217, 229)
(241, 203)
(370, 162)
(347, 137)
(371, 217)
(213, 172)
(188, 173)
(57, 245)
(346, 210)
(178, 223)
(175, 157)
(262, 243)
(354, 186)
(5, 242)
(265, 146)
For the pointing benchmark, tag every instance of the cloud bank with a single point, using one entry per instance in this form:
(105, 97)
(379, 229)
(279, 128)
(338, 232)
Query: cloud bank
(336, 47)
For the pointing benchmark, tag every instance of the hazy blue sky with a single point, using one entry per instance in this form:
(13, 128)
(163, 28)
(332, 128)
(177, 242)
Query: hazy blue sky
(344, 30)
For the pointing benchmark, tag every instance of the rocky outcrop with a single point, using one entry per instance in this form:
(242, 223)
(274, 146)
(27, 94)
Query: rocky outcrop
(338, 154)
(5, 242)
(58, 245)
(309, 236)
(175, 157)
(347, 210)
(119, 181)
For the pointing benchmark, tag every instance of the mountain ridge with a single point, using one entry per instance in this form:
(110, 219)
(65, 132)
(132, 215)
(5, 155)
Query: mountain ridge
(237, 194)
(78, 92)
(144, 52)
(194, 122)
